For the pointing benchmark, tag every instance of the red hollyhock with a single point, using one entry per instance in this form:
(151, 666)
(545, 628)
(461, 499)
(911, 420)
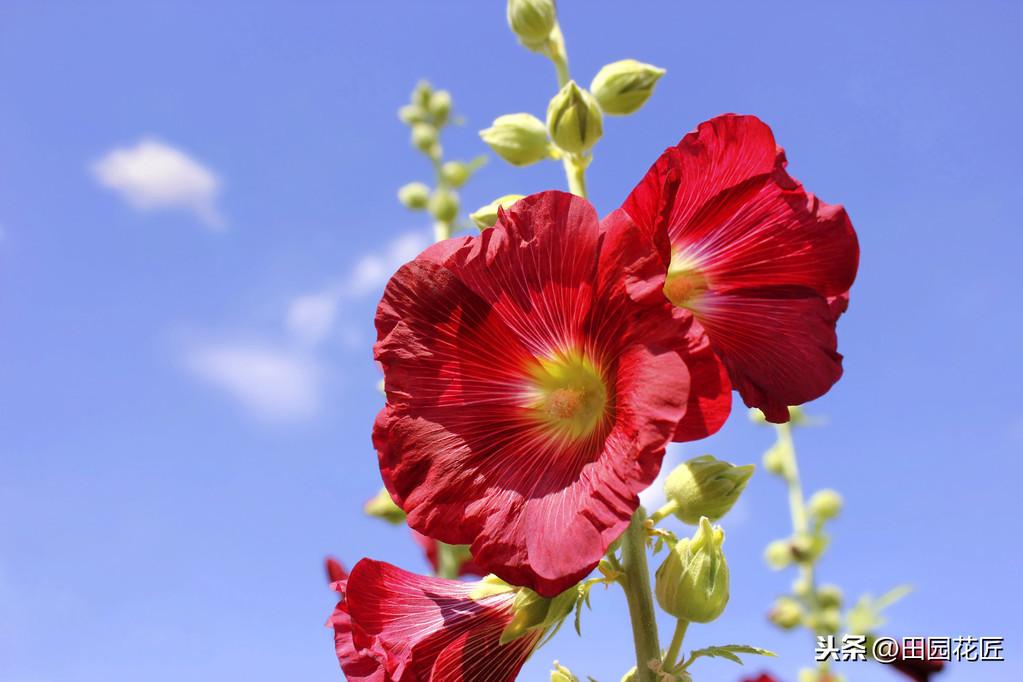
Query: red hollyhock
(917, 669)
(762, 677)
(763, 265)
(335, 571)
(534, 376)
(396, 626)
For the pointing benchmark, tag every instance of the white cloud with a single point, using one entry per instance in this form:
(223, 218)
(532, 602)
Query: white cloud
(311, 316)
(275, 384)
(373, 270)
(152, 175)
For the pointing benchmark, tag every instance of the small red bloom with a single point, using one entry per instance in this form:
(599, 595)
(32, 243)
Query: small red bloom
(763, 265)
(762, 677)
(918, 669)
(396, 626)
(534, 376)
(335, 571)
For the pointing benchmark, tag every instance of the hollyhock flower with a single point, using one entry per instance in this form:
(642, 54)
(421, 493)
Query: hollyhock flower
(335, 571)
(534, 375)
(917, 669)
(763, 265)
(429, 546)
(762, 677)
(396, 626)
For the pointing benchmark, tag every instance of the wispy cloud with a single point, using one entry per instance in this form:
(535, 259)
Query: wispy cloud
(153, 175)
(279, 374)
(274, 383)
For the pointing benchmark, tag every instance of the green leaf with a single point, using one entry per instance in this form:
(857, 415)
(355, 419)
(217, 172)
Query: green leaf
(728, 651)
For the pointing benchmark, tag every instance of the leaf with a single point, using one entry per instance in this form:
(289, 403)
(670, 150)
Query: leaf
(728, 651)
(891, 596)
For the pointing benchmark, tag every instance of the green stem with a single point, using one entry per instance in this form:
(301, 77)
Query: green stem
(575, 171)
(448, 561)
(636, 583)
(665, 511)
(671, 656)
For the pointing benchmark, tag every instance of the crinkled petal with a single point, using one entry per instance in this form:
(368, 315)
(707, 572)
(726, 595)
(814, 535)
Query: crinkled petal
(779, 345)
(731, 211)
(459, 452)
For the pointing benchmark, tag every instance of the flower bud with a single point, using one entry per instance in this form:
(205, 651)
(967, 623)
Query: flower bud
(574, 119)
(421, 95)
(411, 114)
(455, 173)
(383, 507)
(532, 612)
(705, 486)
(443, 205)
(829, 596)
(424, 136)
(825, 621)
(778, 554)
(825, 504)
(776, 459)
(519, 139)
(624, 86)
(786, 613)
(486, 216)
(532, 21)
(692, 583)
(440, 107)
(414, 195)
(562, 674)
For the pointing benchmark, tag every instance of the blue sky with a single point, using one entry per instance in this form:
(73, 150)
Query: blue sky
(186, 384)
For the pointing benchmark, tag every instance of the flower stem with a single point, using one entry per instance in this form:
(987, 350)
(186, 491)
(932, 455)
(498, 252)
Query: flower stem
(665, 511)
(575, 171)
(671, 656)
(636, 583)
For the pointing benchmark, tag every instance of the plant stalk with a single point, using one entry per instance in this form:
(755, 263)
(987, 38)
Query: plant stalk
(636, 583)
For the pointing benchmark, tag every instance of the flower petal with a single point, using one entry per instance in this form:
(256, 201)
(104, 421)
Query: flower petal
(733, 214)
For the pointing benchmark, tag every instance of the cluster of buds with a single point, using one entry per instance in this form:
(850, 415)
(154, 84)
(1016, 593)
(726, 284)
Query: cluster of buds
(428, 112)
(575, 116)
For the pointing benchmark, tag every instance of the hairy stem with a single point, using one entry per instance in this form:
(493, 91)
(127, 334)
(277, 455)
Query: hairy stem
(671, 656)
(636, 583)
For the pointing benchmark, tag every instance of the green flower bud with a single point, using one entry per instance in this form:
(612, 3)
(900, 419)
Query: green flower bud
(630, 675)
(411, 114)
(414, 195)
(383, 507)
(776, 459)
(421, 95)
(519, 139)
(778, 554)
(623, 87)
(443, 205)
(705, 486)
(532, 21)
(692, 583)
(574, 119)
(829, 596)
(756, 416)
(440, 107)
(486, 216)
(825, 504)
(825, 621)
(424, 136)
(455, 173)
(532, 612)
(562, 674)
(786, 613)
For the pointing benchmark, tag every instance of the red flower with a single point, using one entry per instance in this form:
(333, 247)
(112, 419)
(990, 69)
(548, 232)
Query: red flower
(534, 376)
(395, 626)
(763, 265)
(918, 669)
(335, 571)
(762, 677)
(429, 547)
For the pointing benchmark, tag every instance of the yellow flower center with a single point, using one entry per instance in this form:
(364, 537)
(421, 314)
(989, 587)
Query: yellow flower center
(685, 281)
(567, 393)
